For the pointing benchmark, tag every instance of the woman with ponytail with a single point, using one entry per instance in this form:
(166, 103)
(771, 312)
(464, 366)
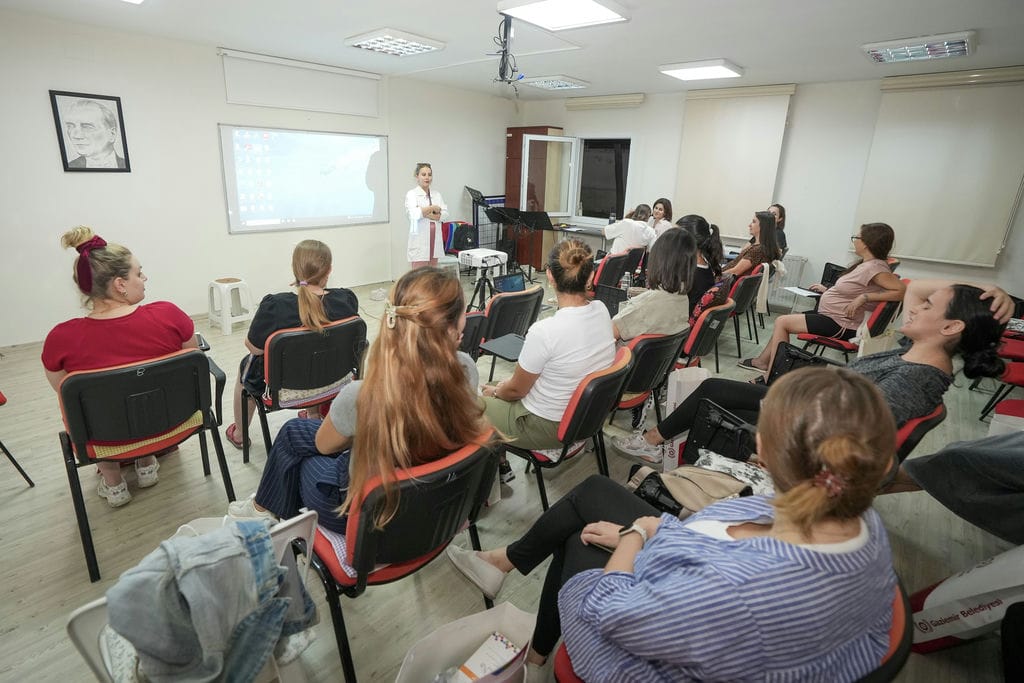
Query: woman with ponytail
(312, 305)
(416, 403)
(118, 329)
(709, 255)
(802, 583)
(942, 320)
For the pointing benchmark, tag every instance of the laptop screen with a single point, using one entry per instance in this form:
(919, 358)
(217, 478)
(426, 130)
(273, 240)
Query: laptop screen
(513, 282)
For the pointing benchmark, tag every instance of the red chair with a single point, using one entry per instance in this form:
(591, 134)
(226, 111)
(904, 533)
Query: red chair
(436, 501)
(909, 435)
(303, 368)
(654, 356)
(901, 636)
(704, 334)
(610, 269)
(3, 401)
(1012, 377)
(583, 419)
(880, 318)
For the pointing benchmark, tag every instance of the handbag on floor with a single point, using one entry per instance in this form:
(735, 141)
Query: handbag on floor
(789, 357)
(684, 490)
(681, 383)
(717, 430)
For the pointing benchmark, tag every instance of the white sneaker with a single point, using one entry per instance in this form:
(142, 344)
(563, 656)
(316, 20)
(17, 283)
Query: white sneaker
(246, 509)
(115, 495)
(147, 475)
(636, 445)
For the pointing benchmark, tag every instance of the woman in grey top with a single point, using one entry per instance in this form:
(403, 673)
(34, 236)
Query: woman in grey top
(943, 319)
(416, 403)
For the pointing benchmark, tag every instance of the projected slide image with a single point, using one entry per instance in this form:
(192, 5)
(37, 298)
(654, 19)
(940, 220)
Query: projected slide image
(285, 179)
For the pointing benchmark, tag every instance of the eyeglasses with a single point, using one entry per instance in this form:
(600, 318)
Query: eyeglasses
(854, 238)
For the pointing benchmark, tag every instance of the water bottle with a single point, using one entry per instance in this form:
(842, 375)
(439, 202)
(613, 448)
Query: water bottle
(611, 218)
(625, 282)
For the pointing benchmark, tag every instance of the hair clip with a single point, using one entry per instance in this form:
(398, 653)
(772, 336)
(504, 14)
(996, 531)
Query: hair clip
(834, 484)
(390, 314)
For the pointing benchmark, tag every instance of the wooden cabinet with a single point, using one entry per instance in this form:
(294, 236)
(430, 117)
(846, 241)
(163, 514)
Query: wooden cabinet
(529, 245)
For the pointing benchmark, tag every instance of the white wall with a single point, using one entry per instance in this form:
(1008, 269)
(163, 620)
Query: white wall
(170, 209)
(824, 155)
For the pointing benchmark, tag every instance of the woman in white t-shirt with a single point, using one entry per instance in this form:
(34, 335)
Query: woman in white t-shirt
(632, 231)
(661, 218)
(858, 291)
(558, 353)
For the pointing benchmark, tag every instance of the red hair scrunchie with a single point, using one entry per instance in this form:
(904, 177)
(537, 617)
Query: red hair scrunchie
(82, 268)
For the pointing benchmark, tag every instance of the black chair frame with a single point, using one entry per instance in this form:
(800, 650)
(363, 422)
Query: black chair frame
(436, 501)
(510, 313)
(301, 358)
(10, 456)
(132, 403)
(744, 295)
(654, 357)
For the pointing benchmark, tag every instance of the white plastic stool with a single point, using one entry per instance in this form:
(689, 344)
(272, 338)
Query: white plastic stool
(230, 303)
(449, 262)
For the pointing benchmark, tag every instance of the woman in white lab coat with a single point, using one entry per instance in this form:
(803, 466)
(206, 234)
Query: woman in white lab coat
(426, 209)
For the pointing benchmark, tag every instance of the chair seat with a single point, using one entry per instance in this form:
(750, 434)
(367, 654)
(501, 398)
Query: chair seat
(1014, 374)
(563, 667)
(632, 400)
(344, 575)
(1012, 349)
(128, 450)
(837, 344)
(1011, 408)
(542, 457)
(507, 347)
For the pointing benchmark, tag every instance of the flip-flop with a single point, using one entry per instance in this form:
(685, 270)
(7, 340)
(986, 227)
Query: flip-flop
(748, 364)
(231, 433)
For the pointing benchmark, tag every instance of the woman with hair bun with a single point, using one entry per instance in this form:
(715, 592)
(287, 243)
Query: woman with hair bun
(119, 329)
(557, 354)
(942, 320)
(312, 305)
(772, 573)
(416, 403)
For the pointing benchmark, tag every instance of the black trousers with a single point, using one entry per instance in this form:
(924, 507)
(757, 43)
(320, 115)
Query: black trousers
(556, 534)
(740, 398)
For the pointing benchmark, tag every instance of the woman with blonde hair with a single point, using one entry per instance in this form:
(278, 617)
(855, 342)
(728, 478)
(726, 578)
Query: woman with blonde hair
(803, 582)
(557, 354)
(119, 329)
(416, 403)
(312, 305)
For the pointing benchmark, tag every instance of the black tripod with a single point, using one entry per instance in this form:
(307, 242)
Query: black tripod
(484, 286)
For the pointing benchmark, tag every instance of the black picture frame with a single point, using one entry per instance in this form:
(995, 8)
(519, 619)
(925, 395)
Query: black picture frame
(78, 115)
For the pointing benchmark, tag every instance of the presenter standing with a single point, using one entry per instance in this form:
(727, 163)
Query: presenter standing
(426, 209)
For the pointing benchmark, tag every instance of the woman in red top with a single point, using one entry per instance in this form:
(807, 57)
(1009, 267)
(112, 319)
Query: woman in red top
(117, 330)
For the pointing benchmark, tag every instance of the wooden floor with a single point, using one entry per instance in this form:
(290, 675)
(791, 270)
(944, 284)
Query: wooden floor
(44, 576)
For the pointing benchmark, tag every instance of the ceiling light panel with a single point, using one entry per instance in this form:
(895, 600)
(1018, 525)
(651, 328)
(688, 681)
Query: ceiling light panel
(925, 47)
(558, 15)
(392, 42)
(703, 70)
(133, 2)
(554, 82)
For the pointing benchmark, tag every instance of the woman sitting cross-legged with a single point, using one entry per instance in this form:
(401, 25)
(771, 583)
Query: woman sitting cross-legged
(557, 354)
(860, 289)
(799, 586)
(416, 403)
(312, 305)
(942, 320)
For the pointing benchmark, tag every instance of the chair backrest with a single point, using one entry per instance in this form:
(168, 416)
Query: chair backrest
(305, 361)
(705, 332)
(883, 315)
(633, 258)
(86, 623)
(141, 407)
(611, 297)
(435, 501)
(830, 274)
(912, 431)
(594, 399)
(893, 263)
(472, 334)
(512, 313)
(901, 637)
(744, 292)
(610, 269)
(654, 356)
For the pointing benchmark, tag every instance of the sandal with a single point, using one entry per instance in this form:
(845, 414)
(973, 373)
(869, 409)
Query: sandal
(232, 436)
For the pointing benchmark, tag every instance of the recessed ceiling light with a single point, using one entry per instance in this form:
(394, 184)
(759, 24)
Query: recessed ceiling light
(392, 42)
(925, 47)
(557, 15)
(554, 82)
(699, 71)
(133, 2)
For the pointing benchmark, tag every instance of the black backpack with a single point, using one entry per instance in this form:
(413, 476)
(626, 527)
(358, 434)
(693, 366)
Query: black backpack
(465, 238)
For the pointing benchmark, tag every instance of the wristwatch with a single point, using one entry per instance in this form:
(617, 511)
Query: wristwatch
(637, 529)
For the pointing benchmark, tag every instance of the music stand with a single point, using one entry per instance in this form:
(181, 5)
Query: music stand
(536, 220)
(476, 195)
(506, 215)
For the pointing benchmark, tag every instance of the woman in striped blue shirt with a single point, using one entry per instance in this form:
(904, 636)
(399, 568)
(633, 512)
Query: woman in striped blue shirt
(795, 587)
